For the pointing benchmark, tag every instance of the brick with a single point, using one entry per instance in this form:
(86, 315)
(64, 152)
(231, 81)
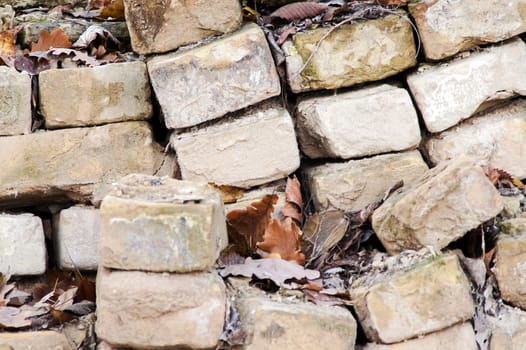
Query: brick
(161, 224)
(354, 184)
(508, 329)
(429, 296)
(42, 340)
(444, 204)
(22, 245)
(73, 164)
(457, 337)
(270, 324)
(35, 3)
(153, 310)
(355, 53)
(228, 74)
(77, 238)
(364, 122)
(497, 138)
(93, 96)
(15, 102)
(450, 92)
(161, 26)
(255, 148)
(447, 27)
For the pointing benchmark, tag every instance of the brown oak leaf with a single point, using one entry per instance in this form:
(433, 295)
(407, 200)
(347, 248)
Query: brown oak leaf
(294, 206)
(55, 39)
(283, 240)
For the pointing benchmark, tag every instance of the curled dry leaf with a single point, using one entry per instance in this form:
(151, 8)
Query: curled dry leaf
(283, 240)
(299, 10)
(8, 45)
(97, 41)
(114, 9)
(322, 231)
(55, 39)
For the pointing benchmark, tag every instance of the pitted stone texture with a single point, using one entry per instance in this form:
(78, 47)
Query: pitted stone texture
(510, 263)
(497, 138)
(255, 148)
(453, 91)
(270, 324)
(364, 122)
(77, 238)
(433, 294)
(73, 164)
(15, 102)
(509, 329)
(444, 204)
(159, 26)
(93, 96)
(42, 340)
(161, 224)
(457, 337)
(228, 74)
(154, 310)
(355, 184)
(447, 27)
(361, 52)
(22, 245)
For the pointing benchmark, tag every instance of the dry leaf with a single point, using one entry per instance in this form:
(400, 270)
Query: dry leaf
(299, 10)
(114, 10)
(86, 288)
(283, 240)
(322, 231)
(294, 206)
(393, 2)
(13, 317)
(55, 39)
(8, 45)
(229, 194)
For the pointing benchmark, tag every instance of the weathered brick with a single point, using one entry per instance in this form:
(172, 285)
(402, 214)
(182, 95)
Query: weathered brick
(356, 53)
(447, 27)
(444, 204)
(497, 138)
(450, 92)
(22, 245)
(92, 96)
(15, 102)
(205, 83)
(154, 310)
(367, 121)
(429, 296)
(77, 238)
(161, 224)
(354, 184)
(255, 148)
(77, 163)
(508, 329)
(457, 337)
(43, 340)
(160, 26)
(270, 324)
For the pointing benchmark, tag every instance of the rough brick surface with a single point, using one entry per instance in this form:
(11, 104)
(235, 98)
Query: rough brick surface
(453, 91)
(93, 96)
(205, 83)
(147, 310)
(269, 324)
(255, 148)
(354, 184)
(353, 124)
(43, 340)
(447, 27)
(509, 329)
(444, 204)
(430, 296)
(160, 26)
(77, 238)
(77, 163)
(161, 224)
(364, 51)
(497, 137)
(15, 102)
(22, 246)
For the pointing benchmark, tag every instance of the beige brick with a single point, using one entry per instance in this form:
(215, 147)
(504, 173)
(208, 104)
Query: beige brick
(154, 310)
(160, 26)
(161, 224)
(356, 53)
(77, 238)
(430, 296)
(15, 102)
(354, 184)
(447, 27)
(444, 204)
(42, 340)
(497, 138)
(450, 92)
(270, 324)
(457, 337)
(258, 147)
(364, 122)
(509, 329)
(93, 96)
(73, 164)
(207, 82)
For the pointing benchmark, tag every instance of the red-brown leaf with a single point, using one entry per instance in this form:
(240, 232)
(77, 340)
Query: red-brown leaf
(393, 2)
(47, 40)
(282, 240)
(293, 192)
(299, 10)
